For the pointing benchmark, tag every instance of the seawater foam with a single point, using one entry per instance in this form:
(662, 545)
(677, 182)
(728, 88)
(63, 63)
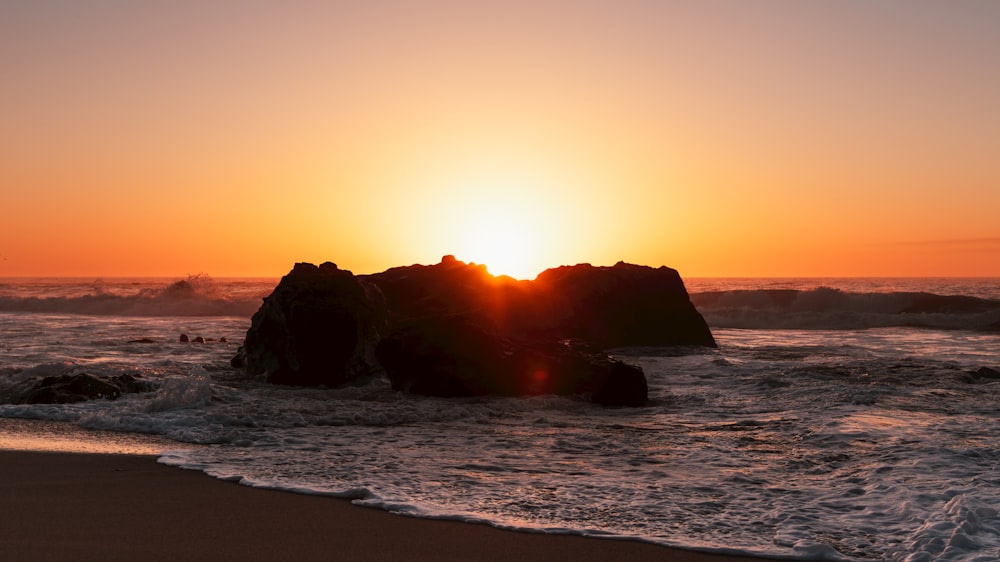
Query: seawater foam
(178, 393)
(961, 527)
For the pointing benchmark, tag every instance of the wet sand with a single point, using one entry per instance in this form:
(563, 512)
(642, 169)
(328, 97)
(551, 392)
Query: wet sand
(70, 506)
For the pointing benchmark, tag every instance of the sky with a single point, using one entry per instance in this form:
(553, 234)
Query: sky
(235, 138)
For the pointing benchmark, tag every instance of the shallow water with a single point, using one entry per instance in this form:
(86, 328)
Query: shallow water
(820, 444)
(62, 437)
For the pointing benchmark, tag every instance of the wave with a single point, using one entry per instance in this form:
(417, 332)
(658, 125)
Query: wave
(197, 295)
(834, 309)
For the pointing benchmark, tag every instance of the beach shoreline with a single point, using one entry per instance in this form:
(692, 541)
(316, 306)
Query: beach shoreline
(84, 506)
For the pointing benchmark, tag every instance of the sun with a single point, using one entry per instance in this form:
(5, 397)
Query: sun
(503, 249)
(515, 215)
(502, 238)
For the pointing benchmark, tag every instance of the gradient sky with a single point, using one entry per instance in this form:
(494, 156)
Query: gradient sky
(765, 138)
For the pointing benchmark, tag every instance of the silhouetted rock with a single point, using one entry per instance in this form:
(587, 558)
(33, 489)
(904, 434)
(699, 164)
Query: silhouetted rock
(183, 339)
(239, 360)
(69, 389)
(465, 355)
(319, 326)
(447, 355)
(454, 287)
(452, 329)
(617, 383)
(988, 373)
(624, 305)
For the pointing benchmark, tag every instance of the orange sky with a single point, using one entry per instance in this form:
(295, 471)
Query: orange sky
(771, 138)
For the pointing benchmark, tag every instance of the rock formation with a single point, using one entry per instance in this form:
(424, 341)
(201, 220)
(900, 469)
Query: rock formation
(452, 329)
(987, 373)
(319, 326)
(454, 287)
(465, 355)
(619, 306)
(624, 305)
(70, 389)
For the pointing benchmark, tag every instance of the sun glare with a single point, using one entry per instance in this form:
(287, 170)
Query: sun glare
(503, 249)
(502, 239)
(503, 209)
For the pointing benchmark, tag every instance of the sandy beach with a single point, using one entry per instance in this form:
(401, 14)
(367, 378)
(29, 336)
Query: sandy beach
(70, 506)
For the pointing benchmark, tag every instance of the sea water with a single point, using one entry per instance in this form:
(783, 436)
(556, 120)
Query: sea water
(839, 419)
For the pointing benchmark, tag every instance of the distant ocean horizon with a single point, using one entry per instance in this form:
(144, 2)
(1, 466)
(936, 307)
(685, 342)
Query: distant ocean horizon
(839, 418)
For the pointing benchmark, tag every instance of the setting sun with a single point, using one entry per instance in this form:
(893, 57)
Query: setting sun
(504, 239)
(510, 208)
(503, 248)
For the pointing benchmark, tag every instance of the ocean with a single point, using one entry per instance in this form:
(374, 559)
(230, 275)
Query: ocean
(839, 419)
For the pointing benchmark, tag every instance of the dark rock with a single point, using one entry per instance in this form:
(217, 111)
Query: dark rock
(183, 339)
(240, 359)
(987, 373)
(620, 384)
(452, 329)
(448, 355)
(465, 355)
(198, 339)
(624, 305)
(453, 287)
(69, 389)
(319, 326)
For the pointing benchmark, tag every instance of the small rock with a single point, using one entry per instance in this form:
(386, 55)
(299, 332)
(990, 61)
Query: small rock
(70, 389)
(988, 373)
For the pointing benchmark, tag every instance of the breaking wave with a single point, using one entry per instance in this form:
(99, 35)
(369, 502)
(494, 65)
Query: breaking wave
(197, 295)
(834, 309)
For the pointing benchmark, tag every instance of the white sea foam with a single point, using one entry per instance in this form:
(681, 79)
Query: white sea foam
(879, 444)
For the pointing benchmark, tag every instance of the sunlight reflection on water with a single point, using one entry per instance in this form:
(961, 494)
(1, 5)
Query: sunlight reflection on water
(48, 436)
